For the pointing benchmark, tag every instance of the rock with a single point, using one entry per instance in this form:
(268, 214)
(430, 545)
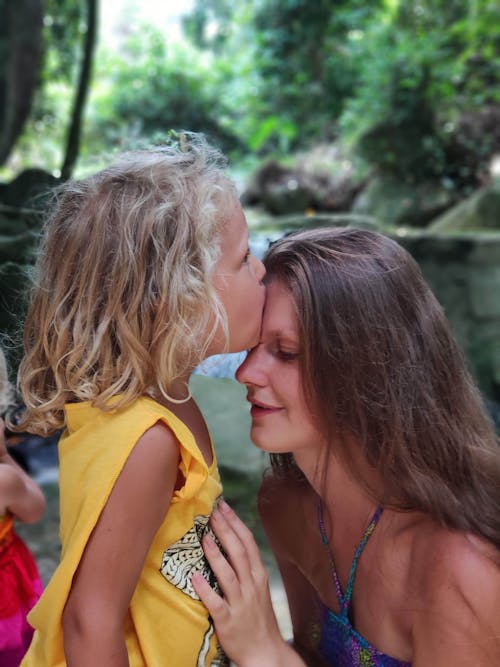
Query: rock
(18, 248)
(480, 211)
(396, 203)
(463, 272)
(321, 180)
(29, 189)
(13, 278)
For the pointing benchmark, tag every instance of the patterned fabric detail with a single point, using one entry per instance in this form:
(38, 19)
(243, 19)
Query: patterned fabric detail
(20, 588)
(185, 557)
(340, 644)
(179, 562)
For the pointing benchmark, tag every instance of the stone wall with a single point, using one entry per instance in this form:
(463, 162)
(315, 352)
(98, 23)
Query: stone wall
(463, 269)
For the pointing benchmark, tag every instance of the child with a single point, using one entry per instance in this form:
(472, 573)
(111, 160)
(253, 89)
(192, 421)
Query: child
(144, 271)
(383, 509)
(20, 584)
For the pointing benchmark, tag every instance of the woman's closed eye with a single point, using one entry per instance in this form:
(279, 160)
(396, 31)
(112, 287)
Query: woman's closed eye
(286, 355)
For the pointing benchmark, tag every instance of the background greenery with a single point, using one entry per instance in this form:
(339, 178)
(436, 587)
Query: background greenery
(402, 84)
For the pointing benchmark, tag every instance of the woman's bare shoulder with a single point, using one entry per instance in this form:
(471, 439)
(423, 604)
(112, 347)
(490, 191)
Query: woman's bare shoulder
(455, 586)
(454, 565)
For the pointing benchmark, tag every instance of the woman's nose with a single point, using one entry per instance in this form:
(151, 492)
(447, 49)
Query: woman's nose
(250, 371)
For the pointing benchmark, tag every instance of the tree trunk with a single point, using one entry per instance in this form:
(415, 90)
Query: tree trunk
(21, 24)
(73, 140)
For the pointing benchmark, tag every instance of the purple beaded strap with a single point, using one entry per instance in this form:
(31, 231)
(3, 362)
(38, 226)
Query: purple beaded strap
(344, 600)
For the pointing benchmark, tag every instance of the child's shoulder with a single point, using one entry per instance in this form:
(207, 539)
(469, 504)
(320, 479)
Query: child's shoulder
(140, 411)
(89, 427)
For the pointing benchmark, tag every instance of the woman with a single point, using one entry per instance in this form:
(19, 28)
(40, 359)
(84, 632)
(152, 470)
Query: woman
(383, 508)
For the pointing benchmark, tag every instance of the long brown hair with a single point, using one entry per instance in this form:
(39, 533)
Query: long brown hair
(123, 293)
(380, 365)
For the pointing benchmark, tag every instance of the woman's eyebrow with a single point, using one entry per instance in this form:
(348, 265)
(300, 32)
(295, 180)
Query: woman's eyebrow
(283, 336)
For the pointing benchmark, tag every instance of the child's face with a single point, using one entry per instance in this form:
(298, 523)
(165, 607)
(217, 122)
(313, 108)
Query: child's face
(238, 280)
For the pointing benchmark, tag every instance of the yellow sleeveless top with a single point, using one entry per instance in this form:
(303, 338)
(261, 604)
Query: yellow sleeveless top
(166, 623)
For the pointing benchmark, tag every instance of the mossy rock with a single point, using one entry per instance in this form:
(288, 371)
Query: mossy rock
(18, 248)
(397, 203)
(481, 211)
(13, 278)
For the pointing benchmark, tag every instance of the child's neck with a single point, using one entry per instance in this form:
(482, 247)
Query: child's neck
(184, 407)
(178, 393)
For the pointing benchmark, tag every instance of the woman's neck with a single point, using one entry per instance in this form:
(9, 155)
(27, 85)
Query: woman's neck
(344, 497)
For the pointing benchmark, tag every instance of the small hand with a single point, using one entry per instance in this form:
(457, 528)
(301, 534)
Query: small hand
(244, 618)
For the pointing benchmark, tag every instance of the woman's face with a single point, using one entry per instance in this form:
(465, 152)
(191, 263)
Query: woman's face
(281, 421)
(238, 280)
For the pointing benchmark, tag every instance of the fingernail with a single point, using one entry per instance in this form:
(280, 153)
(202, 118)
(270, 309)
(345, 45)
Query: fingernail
(216, 515)
(224, 507)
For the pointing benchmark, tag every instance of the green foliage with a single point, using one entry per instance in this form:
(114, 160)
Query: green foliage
(393, 78)
(64, 23)
(307, 63)
(209, 24)
(424, 69)
(405, 141)
(150, 88)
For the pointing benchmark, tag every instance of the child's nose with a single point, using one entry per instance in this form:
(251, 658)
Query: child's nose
(259, 268)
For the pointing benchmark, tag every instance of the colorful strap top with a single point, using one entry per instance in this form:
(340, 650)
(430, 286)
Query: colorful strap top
(340, 644)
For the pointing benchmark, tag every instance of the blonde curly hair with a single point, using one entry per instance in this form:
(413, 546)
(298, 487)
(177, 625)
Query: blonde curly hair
(124, 294)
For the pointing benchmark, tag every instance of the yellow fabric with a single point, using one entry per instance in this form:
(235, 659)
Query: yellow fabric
(167, 624)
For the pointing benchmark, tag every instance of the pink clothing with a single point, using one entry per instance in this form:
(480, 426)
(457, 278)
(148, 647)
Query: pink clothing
(20, 588)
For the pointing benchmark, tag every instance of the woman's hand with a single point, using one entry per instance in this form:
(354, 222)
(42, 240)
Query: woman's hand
(244, 618)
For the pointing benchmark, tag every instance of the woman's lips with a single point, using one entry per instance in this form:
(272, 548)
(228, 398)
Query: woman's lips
(261, 409)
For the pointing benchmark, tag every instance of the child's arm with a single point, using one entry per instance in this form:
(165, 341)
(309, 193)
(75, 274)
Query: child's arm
(244, 618)
(18, 492)
(103, 585)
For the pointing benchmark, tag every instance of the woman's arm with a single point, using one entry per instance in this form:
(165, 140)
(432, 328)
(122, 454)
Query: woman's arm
(244, 618)
(18, 492)
(103, 585)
